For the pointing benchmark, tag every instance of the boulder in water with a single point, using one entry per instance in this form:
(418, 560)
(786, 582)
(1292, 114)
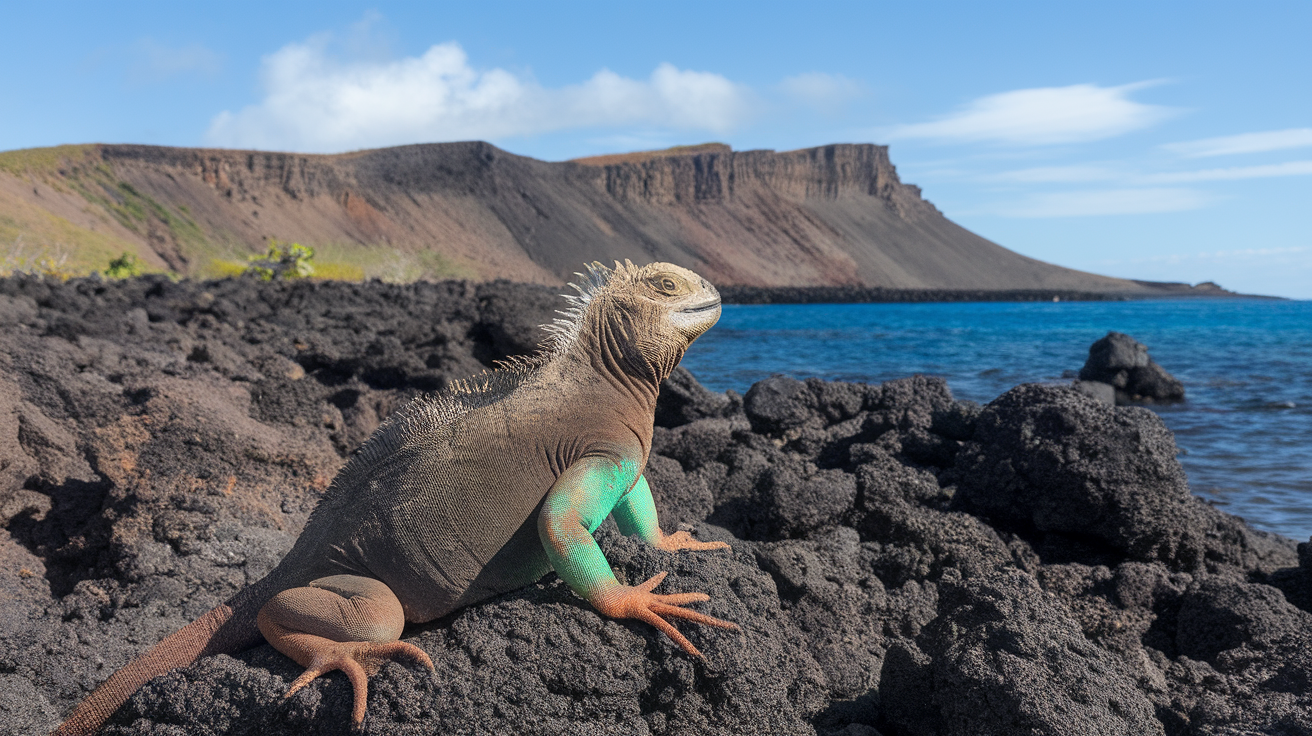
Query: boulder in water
(1123, 363)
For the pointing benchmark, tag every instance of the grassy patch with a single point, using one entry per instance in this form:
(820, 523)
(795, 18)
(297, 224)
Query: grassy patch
(353, 262)
(338, 272)
(43, 160)
(74, 168)
(217, 268)
(31, 235)
(35, 240)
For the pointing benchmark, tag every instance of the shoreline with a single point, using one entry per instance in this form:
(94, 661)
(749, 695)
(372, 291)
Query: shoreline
(879, 295)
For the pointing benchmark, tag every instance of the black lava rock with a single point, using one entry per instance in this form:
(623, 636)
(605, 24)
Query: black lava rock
(903, 563)
(683, 400)
(1003, 657)
(1123, 363)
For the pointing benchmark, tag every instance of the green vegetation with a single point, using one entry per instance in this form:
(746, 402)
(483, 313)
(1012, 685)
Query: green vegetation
(53, 266)
(42, 160)
(86, 247)
(17, 261)
(125, 266)
(282, 261)
(133, 209)
(356, 262)
(35, 240)
(339, 272)
(79, 238)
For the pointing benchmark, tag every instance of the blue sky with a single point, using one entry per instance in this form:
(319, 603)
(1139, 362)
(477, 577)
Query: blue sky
(1163, 141)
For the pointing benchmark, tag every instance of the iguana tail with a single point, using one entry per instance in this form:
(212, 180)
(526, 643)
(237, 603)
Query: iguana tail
(226, 629)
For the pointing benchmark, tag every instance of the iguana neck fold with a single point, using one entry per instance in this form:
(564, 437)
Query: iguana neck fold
(610, 342)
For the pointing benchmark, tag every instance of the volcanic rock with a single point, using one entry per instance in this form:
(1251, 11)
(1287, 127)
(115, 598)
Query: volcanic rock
(1122, 362)
(902, 562)
(1004, 657)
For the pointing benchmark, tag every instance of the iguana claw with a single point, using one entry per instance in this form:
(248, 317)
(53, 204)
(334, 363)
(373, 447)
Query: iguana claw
(683, 540)
(639, 602)
(358, 660)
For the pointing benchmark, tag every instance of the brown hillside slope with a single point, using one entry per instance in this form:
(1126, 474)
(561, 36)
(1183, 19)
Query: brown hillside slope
(834, 215)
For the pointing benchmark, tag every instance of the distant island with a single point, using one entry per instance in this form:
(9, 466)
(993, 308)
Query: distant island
(833, 219)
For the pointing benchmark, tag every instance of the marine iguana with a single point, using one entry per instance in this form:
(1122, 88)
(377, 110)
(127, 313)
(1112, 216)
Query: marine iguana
(458, 498)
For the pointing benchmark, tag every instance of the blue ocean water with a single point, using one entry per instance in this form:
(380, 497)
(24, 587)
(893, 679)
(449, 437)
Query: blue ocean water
(1245, 431)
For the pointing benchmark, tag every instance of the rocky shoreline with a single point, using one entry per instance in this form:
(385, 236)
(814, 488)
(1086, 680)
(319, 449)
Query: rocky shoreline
(903, 563)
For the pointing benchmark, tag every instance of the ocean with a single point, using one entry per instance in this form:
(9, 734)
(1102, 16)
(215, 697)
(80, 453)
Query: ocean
(1244, 431)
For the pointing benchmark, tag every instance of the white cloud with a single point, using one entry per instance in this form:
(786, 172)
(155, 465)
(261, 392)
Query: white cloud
(824, 91)
(1085, 173)
(154, 62)
(315, 103)
(1043, 116)
(1055, 174)
(1240, 255)
(1106, 202)
(1289, 168)
(1271, 140)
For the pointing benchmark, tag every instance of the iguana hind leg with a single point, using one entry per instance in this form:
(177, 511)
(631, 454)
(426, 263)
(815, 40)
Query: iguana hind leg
(343, 622)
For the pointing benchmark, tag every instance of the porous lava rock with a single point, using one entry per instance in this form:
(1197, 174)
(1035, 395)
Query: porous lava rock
(1091, 478)
(1004, 657)
(901, 562)
(1123, 363)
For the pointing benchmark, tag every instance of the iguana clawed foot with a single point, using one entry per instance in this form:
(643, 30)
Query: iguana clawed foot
(683, 540)
(625, 601)
(358, 659)
(340, 622)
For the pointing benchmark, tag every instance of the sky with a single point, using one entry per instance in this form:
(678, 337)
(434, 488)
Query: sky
(1166, 141)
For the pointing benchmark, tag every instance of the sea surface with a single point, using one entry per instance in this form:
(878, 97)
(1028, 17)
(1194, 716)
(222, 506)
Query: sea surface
(1244, 431)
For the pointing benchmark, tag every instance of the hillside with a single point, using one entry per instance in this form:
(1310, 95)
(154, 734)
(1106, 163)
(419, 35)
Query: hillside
(836, 215)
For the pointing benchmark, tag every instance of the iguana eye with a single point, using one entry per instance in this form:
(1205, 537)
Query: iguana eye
(666, 285)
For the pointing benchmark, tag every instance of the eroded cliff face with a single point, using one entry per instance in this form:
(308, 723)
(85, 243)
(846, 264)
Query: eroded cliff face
(720, 174)
(833, 215)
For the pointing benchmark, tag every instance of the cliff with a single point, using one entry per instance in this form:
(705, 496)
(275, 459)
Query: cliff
(836, 215)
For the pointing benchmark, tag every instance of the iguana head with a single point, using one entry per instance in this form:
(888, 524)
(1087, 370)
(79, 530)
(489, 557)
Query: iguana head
(651, 313)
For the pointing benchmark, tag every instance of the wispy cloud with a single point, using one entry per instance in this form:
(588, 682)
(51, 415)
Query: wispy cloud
(1105, 202)
(155, 62)
(1055, 175)
(1271, 140)
(313, 102)
(1087, 173)
(1241, 255)
(1043, 116)
(1289, 168)
(826, 92)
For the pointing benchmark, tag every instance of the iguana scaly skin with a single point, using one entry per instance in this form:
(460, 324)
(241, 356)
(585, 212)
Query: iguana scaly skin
(456, 499)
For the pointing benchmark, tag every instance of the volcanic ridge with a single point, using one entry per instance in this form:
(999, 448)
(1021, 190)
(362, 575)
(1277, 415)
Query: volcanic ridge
(835, 216)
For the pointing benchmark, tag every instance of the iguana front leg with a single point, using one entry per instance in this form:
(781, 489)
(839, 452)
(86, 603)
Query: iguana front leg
(582, 497)
(636, 514)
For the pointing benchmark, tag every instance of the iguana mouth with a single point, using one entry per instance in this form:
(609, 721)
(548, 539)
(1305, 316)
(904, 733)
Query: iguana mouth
(703, 308)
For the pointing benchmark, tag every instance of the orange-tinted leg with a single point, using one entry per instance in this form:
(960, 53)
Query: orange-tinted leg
(342, 622)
